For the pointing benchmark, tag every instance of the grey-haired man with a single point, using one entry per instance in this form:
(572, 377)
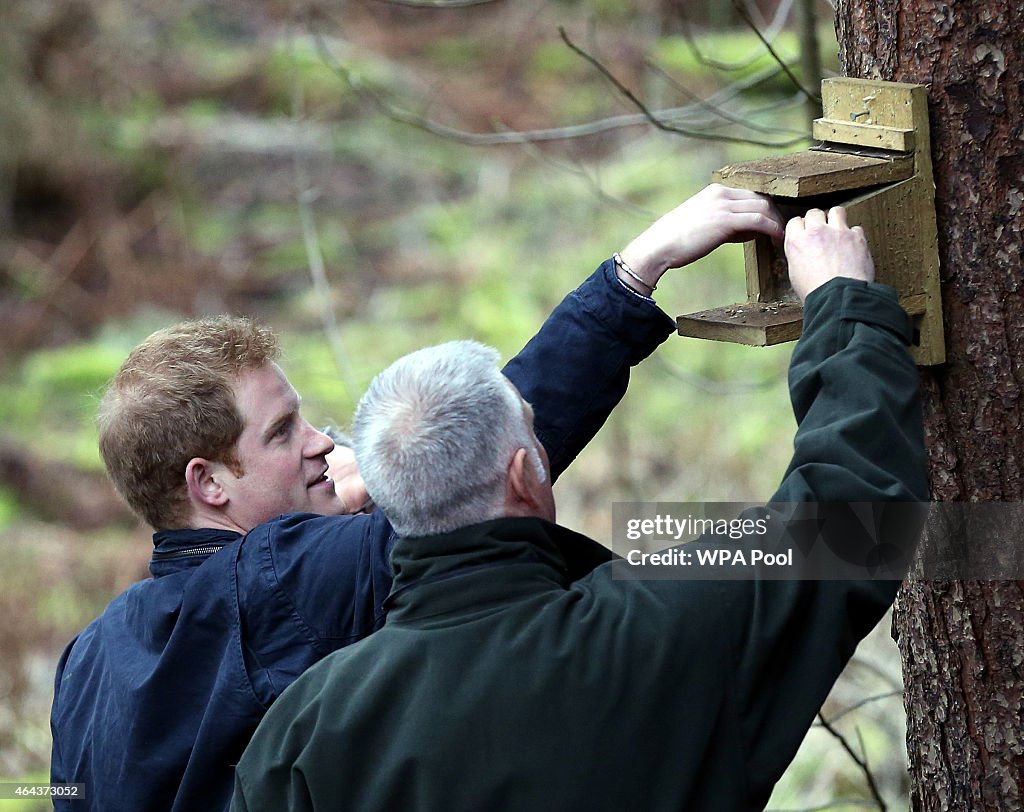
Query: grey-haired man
(514, 674)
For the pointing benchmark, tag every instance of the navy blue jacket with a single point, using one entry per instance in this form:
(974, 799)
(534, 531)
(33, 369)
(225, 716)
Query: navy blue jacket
(156, 699)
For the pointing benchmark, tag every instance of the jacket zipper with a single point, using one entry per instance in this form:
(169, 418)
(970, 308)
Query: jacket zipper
(208, 550)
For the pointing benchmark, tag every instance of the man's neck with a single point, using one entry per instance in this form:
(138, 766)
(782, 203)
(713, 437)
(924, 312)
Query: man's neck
(214, 520)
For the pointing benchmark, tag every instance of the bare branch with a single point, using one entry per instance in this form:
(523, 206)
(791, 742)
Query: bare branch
(810, 58)
(659, 123)
(861, 661)
(592, 183)
(776, 25)
(743, 120)
(709, 385)
(437, 3)
(306, 194)
(862, 763)
(736, 89)
(745, 15)
(567, 133)
(862, 703)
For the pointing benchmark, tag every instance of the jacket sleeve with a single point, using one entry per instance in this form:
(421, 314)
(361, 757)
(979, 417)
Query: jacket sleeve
(854, 391)
(575, 370)
(58, 771)
(776, 643)
(860, 439)
(307, 586)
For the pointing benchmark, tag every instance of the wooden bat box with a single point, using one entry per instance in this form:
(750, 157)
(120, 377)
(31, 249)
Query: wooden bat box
(875, 160)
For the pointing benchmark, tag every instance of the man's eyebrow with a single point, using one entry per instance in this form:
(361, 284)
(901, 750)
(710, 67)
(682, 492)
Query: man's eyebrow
(283, 419)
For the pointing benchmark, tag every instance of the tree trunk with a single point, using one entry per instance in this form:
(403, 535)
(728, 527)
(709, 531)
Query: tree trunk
(963, 641)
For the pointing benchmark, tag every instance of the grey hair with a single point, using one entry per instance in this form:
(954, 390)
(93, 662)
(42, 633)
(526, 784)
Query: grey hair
(434, 435)
(340, 438)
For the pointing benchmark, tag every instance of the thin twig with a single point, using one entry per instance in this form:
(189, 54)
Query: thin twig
(709, 385)
(742, 120)
(862, 763)
(437, 3)
(652, 118)
(311, 240)
(745, 15)
(475, 139)
(772, 31)
(860, 661)
(862, 703)
(509, 136)
(592, 184)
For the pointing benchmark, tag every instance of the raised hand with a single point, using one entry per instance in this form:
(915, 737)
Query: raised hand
(714, 216)
(821, 246)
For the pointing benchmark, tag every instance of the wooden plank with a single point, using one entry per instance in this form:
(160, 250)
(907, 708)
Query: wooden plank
(761, 324)
(758, 324)
(904, 222)
(863, 135)
(804, 174)
(896, 223)
(869, 101)
(757, 265)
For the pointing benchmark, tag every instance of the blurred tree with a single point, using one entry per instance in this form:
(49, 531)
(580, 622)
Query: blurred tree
(961, 640)
(810, 54)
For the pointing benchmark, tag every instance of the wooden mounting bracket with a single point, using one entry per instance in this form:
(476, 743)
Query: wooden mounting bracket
(875, 160)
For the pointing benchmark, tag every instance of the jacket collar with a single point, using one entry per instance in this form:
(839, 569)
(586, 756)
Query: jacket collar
(487, 563)
(174, 550)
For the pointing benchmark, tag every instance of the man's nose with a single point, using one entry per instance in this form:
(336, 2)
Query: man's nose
(319, 443)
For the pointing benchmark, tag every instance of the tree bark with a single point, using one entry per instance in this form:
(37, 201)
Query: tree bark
(963, 641)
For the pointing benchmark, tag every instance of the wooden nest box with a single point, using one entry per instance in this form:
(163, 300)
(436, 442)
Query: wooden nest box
(875, 160)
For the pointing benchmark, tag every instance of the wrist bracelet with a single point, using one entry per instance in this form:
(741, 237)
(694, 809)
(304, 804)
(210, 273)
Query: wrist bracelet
(633, 290)
(617, 257)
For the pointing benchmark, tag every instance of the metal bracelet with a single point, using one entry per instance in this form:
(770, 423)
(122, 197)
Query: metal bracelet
(617, 257)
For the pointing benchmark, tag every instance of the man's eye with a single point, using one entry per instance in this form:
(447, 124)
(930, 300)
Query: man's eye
(283, 430)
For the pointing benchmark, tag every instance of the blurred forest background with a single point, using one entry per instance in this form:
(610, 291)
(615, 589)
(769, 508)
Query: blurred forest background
(367, 178)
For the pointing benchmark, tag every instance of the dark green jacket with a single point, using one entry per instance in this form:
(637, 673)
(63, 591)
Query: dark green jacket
(514, 672)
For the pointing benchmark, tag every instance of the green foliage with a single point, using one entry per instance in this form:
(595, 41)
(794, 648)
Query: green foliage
(552, 61)
(612, 11)
(202, 111)
(69, 372)
(217, 60)
(210, 229)
(34, 392)
(126, 139)
(9, 509)
(294, 63)
(448, 227)
(51, 400)
(461, 52)
(739, 47)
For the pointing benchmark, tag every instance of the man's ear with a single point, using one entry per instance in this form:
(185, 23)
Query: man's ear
(521, 485)
(203, 480)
